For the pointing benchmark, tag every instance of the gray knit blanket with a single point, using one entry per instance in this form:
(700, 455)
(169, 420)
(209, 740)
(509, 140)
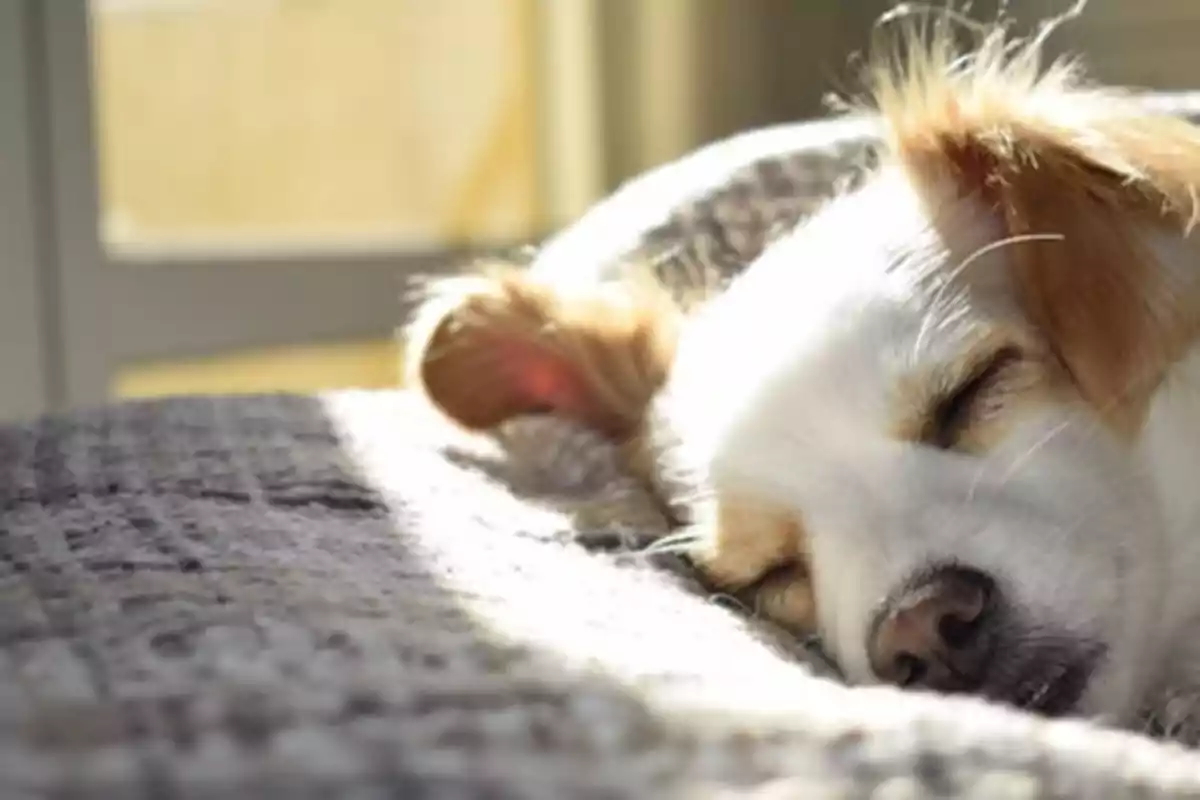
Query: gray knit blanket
(342, 596)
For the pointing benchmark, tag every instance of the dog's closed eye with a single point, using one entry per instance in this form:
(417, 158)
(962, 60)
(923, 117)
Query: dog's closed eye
(977, 397)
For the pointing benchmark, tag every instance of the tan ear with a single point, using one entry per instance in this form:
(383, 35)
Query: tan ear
(1100, 296)
(488, 348)
(1093, 169)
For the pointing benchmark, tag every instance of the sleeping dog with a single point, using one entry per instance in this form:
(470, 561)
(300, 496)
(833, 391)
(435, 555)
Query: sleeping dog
(946, 423)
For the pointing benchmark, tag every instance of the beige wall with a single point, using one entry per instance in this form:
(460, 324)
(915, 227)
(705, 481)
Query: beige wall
(680, 73)
(402, 120)
(1141, 43)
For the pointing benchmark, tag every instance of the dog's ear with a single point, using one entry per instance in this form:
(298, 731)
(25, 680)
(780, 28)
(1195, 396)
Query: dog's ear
(1076, 176)
(501, 344)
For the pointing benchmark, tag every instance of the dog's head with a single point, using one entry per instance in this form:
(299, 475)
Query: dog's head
(913, 425)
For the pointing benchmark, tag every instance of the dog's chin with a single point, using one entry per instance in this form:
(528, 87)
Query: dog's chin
(1113, 693)
(1049, 681)
(1079, 679)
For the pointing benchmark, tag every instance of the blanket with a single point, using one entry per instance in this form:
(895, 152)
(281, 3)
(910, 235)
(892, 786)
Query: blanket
(340, 596)
(343, 596)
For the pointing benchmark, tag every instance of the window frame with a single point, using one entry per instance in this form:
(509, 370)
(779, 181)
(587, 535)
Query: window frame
(27, 355)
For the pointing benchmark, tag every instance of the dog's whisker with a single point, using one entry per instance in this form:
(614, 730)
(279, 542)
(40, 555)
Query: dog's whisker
(1095, 427)
(729, 601)
(676, 543)
(1018, 463)
(954, 274)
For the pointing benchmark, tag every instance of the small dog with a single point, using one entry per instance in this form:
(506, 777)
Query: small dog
(947, 423)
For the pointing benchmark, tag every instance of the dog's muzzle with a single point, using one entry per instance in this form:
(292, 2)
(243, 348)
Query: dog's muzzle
(949, 629)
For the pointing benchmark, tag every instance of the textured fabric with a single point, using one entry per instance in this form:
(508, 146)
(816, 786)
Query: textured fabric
(700, 220)
(705, 217)
(340, 597)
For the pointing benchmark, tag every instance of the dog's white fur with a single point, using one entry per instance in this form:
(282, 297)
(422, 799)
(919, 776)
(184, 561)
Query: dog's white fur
(1093, 542)
(785, 404)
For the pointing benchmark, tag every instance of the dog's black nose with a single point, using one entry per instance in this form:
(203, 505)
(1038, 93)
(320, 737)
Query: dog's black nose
(938, 633)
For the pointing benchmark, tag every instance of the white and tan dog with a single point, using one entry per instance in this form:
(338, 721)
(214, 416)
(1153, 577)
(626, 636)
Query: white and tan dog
(951, 423)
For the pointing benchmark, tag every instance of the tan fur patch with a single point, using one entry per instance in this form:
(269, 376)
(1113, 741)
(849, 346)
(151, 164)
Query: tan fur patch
(1053, 156)
(1099, 295)
(742, 539)
(787, 597)
(490, 347)
(761, 550)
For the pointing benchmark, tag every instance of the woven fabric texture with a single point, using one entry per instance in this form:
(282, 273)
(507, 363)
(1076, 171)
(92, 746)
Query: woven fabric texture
(341, 597)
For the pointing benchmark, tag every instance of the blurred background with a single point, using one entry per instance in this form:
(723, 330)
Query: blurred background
(226, 195)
